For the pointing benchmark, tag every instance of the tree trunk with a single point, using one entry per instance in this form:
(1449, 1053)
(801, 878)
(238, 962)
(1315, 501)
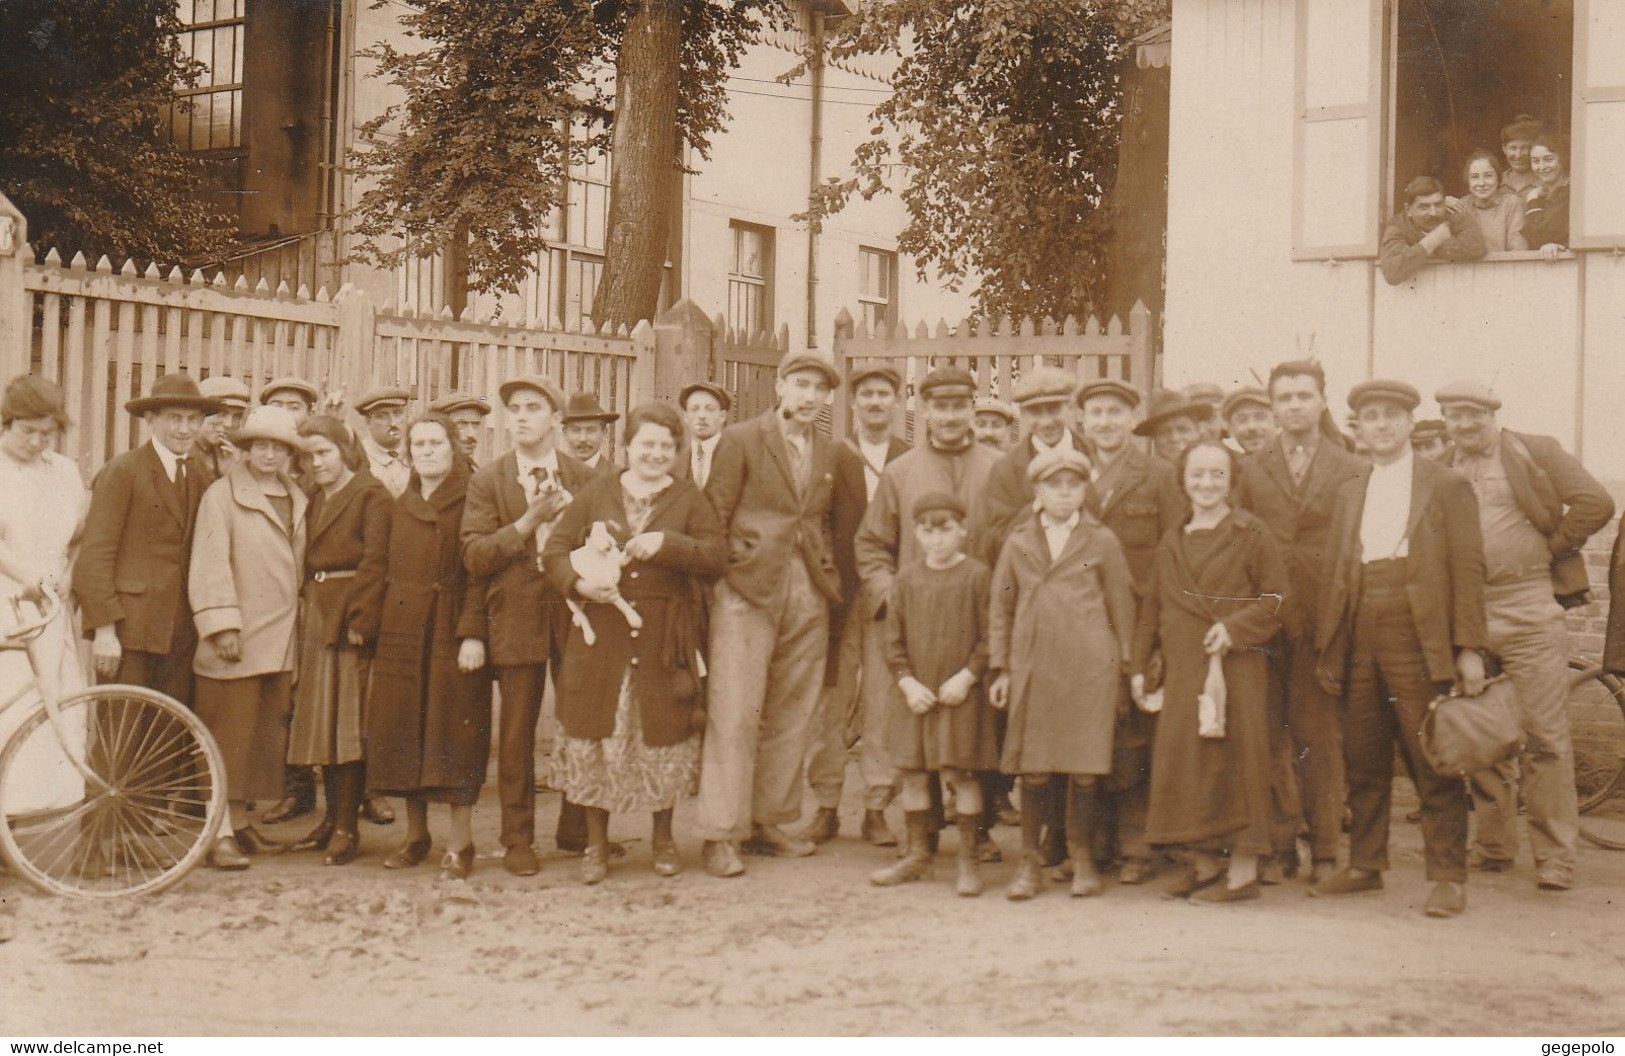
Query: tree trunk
(644, 164)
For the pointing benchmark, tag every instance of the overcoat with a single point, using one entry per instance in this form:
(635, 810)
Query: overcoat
(1444, 573)
(665, 590)
(428, 724)
(849, 502)
(1142, 504)
(136, 552)
(343, 528)
(528, 620)
(1299, 517)
(1205, 789)
(247, 568)
(1062, 630)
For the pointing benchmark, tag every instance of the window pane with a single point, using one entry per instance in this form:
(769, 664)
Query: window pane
(183, 11)
(202, 115)
(597, 206)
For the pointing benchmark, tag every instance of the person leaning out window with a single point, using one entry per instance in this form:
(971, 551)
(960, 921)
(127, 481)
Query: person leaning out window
(1497, 208)
(1546, 217)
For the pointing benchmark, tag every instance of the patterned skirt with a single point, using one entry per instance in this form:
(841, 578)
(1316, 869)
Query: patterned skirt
(327, 699)
(620, 773)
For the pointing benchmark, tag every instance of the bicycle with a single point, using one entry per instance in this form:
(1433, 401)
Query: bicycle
(145, 797)
(1597, 721)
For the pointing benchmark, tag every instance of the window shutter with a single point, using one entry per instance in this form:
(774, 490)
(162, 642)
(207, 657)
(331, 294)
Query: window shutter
(1337, 147)
(1597, 148)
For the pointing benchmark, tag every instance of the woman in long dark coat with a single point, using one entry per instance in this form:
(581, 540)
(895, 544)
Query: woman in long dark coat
(429, 706)
(628, 703)
(348, 517)
(1219, 585)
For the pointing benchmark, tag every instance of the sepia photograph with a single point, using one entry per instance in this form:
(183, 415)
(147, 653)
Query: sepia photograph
(812, 518)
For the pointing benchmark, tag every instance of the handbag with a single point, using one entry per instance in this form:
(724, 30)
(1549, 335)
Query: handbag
(1463, 735)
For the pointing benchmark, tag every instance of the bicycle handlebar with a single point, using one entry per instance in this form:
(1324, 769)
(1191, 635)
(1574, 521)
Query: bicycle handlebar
(49, 605)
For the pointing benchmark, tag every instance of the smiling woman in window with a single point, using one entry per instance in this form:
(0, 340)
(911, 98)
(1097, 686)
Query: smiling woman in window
(1546, 218)
(1498, 210)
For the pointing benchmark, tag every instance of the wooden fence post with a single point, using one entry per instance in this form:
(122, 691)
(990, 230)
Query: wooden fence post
(839, 416)
(16, 309)
(683, 337)
(644, 367)
(1143, 355)
(355, 361)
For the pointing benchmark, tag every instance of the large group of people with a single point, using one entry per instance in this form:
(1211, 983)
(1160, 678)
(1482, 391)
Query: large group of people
(1187, 629)
(1516, 201)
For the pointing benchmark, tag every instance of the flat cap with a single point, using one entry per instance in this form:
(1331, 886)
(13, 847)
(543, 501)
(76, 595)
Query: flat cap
(722, 395)
(382, 396)
(584, 407)
(1427, 429)
(1246, 394)
(1113, 387)
(1468, 392)
(874, 370)
(535, 383)
(1398, 392)
(1046, 464)
(809, 361)
(297, 385)
(1166, 405)
(934, 501)
(993, 405)
(1204, 392)
(461, 401)
(1045, 385)
(228, 390)
(948, 381)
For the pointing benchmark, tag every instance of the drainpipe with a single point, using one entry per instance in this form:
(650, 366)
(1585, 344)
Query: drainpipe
(324, 192)
(815, 144)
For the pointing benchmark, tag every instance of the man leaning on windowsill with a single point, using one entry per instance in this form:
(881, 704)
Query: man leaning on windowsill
(1428, 228)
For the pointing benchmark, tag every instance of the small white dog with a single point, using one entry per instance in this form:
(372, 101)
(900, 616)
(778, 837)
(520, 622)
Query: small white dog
(598, 564)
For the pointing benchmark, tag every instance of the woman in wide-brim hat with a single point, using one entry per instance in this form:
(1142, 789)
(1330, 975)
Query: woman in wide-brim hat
(247, 565)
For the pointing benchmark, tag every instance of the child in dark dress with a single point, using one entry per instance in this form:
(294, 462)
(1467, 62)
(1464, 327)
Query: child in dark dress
(936, 647)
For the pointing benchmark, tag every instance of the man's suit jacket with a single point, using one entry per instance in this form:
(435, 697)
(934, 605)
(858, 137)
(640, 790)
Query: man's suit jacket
(527, 617)
(851, 501)
(1565, 503)
(1299, 518)
(1145, 503)
(769, 520)
(133, 561)
(1444, 573)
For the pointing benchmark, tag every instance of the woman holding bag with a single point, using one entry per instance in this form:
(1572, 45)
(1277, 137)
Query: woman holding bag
(629, 703)
(1218, 591)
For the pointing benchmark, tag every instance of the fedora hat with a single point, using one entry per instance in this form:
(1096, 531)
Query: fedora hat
(268, 423)
(1166, 405)
(584, 407)
(174, 390)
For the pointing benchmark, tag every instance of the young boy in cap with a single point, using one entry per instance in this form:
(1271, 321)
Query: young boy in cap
(939, 721)
(586, 430)
(1400, 620)
(705, 406)
(1060, 631)
(384, 410)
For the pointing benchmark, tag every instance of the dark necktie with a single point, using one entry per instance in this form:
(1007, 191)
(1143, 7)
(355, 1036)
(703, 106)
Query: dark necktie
(180, 474)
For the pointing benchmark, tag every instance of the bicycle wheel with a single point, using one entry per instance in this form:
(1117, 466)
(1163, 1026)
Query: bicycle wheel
(146, 819)
(1597, 723)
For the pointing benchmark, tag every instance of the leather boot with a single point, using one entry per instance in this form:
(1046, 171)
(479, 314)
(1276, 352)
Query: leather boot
(915, 863)
(875, 830)
(1080, 824)
(823, 827)
(317, 839)
(1052, 815)
(1029, 879)
(969, 883)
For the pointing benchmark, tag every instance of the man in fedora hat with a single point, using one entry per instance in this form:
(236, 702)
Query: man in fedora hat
(1174, 422)
(705, 406)
(468, 414)
(131, 573)
(384, 410)
(857, 679)
(1292, 485)
(1401, 618)
(213, 447)
(772, 486)
(586, 430)
(1537, 506)
(513, 503)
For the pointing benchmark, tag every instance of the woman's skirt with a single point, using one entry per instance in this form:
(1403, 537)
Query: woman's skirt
(620, 773)
(249, 720)
(328, 701)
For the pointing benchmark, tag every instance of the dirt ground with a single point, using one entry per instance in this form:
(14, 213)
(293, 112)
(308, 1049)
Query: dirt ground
(803, 947)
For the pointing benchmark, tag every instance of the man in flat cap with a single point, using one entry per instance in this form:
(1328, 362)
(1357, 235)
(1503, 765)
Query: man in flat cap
(1537, 506)
(857, 682)
(705, 406)
(131, 573)
(213, 448)
(467, 413)
(384, 411)
(513, 503)
(1136, 495)
(1248, 418)
(1211, 395)
(1174, 422)
(1431, 440)
(1044, 396)
(1401, 618)
(994, 418)
(586, 431)
(295, 395)
(949, 462)
(1292, 486)
(773, 487)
